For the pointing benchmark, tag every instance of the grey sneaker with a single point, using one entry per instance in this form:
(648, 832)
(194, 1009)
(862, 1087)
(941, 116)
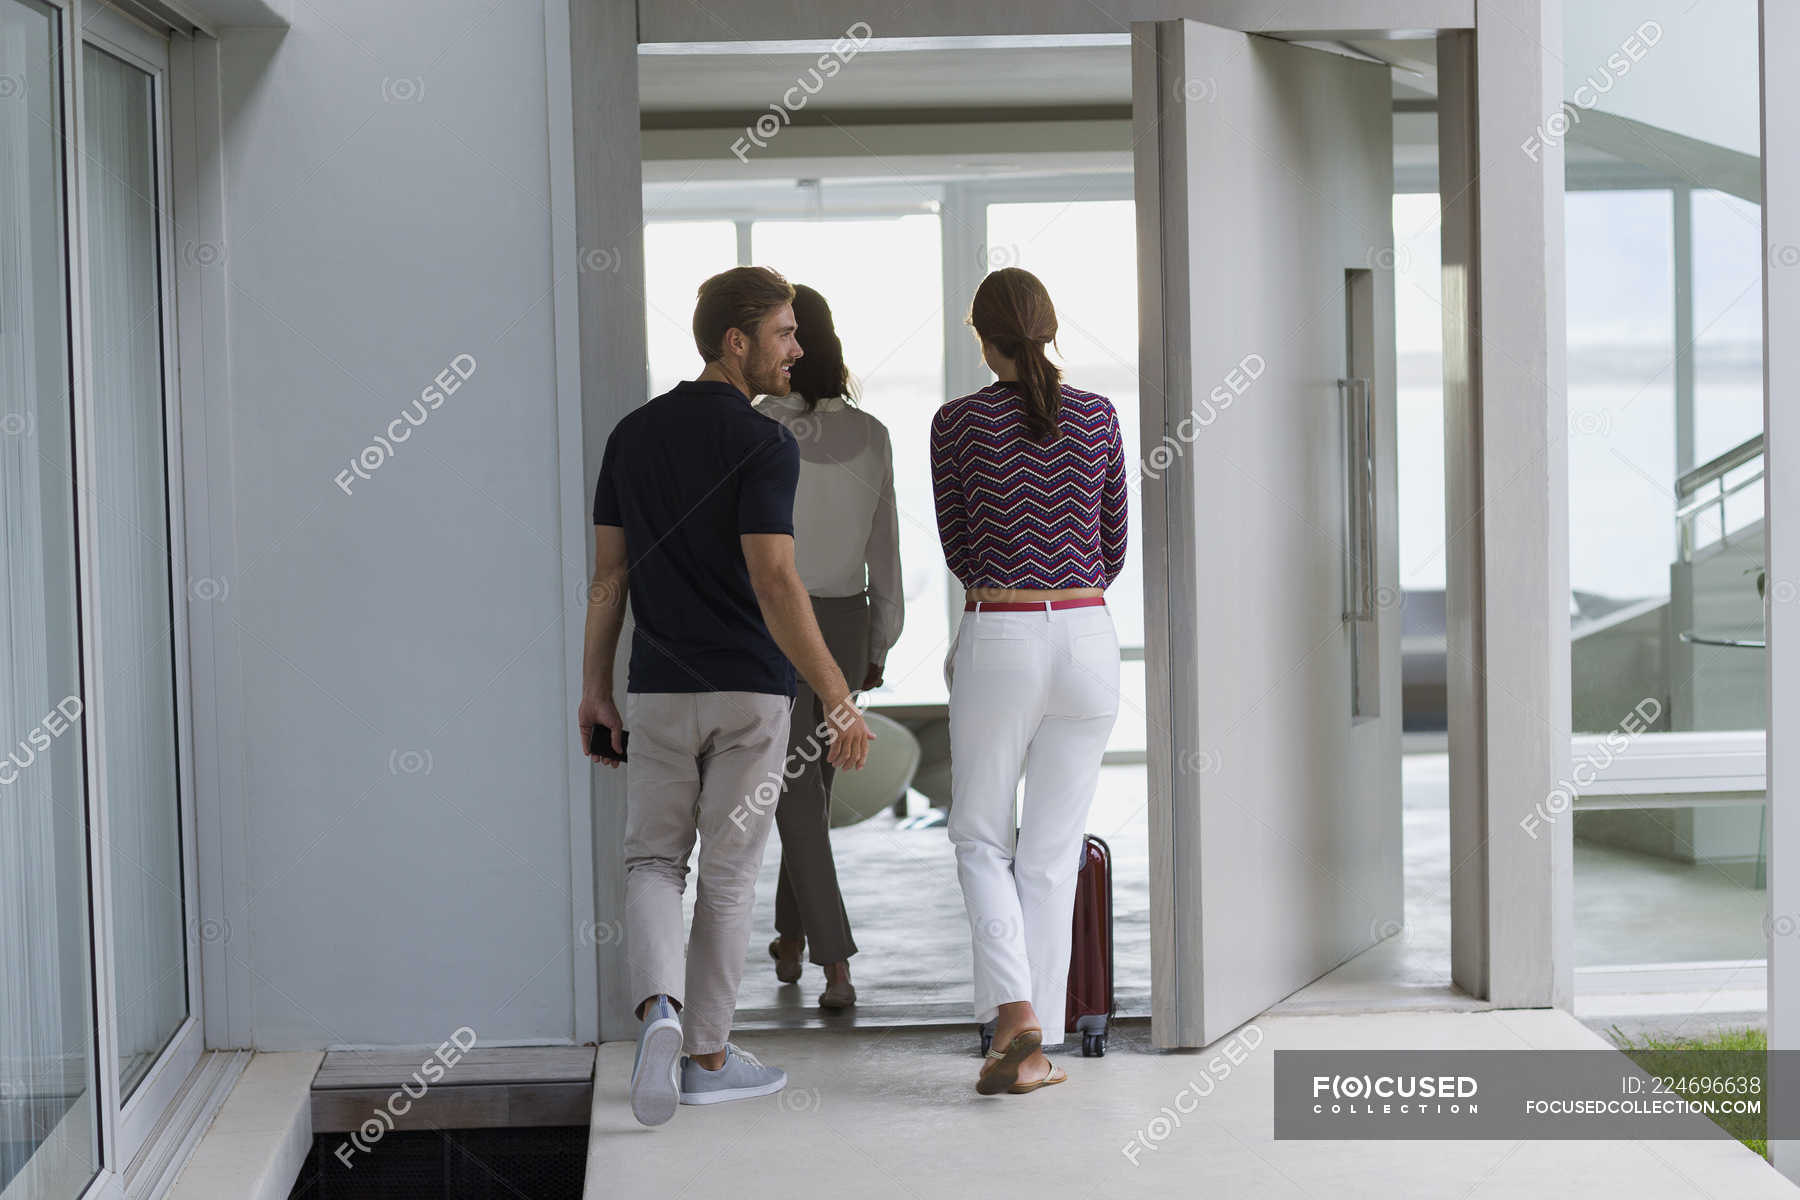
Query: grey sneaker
(739, 1079)
(654, 1087)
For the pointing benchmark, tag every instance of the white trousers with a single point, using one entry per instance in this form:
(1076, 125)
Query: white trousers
(1039, 692)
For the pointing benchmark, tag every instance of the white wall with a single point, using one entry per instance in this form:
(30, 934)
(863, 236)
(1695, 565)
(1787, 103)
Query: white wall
(406, 863)
(1699, 79)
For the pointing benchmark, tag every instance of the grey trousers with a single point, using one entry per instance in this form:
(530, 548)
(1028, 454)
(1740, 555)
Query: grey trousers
(704, 764)
(807, 900)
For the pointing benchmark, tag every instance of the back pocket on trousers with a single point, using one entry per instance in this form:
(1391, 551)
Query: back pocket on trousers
(1096, 660)
(1002, 653)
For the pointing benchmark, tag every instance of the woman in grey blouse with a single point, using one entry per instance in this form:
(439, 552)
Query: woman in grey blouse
(847, 548)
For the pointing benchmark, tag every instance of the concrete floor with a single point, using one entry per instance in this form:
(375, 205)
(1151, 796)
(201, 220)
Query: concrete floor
(913, 962)
(893, 1114)
(1412, 968)
(913, 966)
(912, 936)
(1641, 908)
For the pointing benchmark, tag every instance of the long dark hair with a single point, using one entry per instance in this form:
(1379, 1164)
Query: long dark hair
(1012, 312)
(820, 374)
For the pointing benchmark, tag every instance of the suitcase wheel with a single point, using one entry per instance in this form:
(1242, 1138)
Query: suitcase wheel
(1093, 1045)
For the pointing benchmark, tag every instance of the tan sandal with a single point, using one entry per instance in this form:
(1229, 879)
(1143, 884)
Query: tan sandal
(1002, 1071)
(1055, 1075)
(788, 969)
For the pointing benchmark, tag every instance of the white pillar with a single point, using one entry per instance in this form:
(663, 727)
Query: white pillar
(1780, 41)
(1506, 462)
(609, 230)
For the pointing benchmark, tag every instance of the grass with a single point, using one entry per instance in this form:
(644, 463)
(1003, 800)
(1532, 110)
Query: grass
(1726, 1052)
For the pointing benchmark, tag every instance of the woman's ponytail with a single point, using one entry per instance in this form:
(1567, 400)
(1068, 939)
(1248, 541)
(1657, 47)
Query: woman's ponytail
(1013, 313)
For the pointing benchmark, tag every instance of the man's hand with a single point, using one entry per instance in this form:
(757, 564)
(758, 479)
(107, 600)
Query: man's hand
(871, 678)
(849, 734)
(597, 710)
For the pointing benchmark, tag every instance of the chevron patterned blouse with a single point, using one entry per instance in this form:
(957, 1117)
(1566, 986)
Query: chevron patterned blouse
(1014, 513)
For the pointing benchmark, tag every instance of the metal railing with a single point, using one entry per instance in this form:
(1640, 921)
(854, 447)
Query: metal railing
(1705, 488)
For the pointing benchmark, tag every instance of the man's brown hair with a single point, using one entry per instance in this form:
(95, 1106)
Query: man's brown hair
(736, 299)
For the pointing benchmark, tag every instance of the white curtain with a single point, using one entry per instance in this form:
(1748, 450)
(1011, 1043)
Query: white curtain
(130, 560)
(47, 1120)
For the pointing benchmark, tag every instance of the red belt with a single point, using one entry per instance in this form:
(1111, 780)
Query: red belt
(1032, 605)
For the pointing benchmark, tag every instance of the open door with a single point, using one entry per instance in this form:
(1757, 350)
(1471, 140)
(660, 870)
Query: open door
(1265, 243)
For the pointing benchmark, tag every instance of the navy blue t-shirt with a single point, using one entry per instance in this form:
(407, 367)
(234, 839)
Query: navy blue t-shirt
(684, 476)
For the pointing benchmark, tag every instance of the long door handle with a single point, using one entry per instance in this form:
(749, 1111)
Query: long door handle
(1359, 499)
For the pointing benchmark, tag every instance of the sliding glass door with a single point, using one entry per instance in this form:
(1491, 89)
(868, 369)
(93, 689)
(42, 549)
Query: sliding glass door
(49, 1113)
(97, 999)
(131, 553)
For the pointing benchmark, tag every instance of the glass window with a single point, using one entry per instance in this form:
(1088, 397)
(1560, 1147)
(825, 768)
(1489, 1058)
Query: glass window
(1728, 384)
(1621, 306)
(1419, 389)
(1085, 251)
(1621, 447)
(1670, 885)
(883, 278)
(131, 555)
(678, 257)
(1652, 583)
(49, 1124)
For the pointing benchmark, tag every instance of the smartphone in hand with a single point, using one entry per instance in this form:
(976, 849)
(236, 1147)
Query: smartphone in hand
(600, 742)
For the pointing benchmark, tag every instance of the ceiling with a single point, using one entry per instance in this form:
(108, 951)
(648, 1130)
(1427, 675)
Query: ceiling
(956, 108)
(677, 85)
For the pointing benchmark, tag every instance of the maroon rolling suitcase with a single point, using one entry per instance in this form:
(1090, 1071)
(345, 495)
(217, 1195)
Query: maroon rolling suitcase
(1089, 1007)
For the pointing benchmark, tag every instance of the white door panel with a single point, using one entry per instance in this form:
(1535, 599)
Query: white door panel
(1265, 194)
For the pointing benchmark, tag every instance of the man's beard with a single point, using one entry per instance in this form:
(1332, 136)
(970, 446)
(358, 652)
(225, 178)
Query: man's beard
(764, 375)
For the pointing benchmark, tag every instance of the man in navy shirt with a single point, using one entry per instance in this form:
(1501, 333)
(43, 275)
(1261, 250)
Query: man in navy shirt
(693, 519)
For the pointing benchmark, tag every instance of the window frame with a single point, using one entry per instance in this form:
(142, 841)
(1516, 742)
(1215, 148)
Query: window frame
(125, 1129)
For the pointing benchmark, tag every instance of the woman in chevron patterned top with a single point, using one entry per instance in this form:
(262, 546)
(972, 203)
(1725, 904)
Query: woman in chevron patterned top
(1029, 476)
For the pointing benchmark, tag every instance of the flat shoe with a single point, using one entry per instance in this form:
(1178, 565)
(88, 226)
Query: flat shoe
(1003, 1071)
(1056, 1075)
(838, 995)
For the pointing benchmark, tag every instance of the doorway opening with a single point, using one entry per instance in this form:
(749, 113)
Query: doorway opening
(893, 190)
